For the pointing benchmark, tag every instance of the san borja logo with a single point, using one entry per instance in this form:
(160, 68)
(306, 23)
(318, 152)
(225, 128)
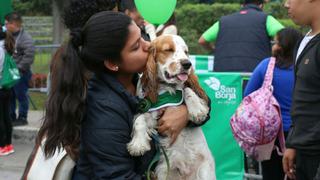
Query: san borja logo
(222, 92)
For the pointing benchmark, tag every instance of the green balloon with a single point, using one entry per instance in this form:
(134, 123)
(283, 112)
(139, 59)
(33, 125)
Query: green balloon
(156, 11)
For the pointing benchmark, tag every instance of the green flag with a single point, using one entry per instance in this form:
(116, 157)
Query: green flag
(5, 8)
(225, 92)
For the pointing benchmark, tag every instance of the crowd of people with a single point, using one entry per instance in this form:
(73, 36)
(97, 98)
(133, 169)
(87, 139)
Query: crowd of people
(94, 75)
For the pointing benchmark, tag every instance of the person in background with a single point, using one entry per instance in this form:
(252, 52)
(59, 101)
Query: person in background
(6, 46)
(84, 9)
(129, 8)
(282, 82)
(24, 57)
(302, 156)
(169, 27)
(242, 39)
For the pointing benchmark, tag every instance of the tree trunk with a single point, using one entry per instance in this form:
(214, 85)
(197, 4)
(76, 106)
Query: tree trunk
(58, 26)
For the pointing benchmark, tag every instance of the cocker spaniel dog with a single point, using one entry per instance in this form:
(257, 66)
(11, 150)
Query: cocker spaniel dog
(169, 80)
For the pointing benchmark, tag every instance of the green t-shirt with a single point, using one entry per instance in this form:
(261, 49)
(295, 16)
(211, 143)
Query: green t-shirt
(272, 25)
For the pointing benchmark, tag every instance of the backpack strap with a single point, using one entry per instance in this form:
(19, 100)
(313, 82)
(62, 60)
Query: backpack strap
(269, 74)
(281, 137)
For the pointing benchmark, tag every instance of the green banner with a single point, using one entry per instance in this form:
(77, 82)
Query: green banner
(225, 92)
(5, 8)
(202, 63)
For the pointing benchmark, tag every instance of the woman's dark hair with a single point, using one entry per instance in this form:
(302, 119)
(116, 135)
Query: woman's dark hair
(77, 13)
(127, 5)
(9, 42)
(103, 37)
(257, 2)
(13, 17)
(287, 39)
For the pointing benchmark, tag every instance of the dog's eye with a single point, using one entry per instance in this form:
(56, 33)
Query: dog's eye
(169, 50)
(186, 52)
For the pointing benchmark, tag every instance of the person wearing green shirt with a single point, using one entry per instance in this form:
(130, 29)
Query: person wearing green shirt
(242, 39)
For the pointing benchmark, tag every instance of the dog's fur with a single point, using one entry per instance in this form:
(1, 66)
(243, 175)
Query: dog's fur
(168, 69)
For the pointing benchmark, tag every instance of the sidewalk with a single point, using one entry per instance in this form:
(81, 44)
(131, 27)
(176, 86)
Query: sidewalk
(27, 134)
(12, 166)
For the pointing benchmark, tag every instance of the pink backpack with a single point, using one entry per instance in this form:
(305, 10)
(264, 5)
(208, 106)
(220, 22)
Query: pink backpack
(257, 121)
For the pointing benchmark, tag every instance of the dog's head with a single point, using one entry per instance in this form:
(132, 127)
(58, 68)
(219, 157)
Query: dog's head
(168, 62)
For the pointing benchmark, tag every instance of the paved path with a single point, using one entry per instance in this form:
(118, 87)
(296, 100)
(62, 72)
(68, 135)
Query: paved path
(12, 166)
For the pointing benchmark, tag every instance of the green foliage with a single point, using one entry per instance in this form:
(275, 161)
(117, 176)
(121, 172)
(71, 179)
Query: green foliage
(183, 2)
(32, 7)
(39, 100)
(276, 9)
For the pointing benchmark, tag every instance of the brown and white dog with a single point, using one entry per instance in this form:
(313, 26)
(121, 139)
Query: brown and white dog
(169, 69)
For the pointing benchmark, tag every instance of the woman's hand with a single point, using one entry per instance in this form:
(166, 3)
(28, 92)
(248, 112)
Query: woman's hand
(288, 160)
(173, 120)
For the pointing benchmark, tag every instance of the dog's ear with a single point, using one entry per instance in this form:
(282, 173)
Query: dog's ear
(149, 77)
(193, 83)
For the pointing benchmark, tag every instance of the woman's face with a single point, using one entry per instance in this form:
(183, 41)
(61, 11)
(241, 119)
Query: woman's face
(134, 55)
(275, 47)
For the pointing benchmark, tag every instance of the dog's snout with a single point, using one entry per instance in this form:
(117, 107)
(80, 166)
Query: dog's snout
(186, 64)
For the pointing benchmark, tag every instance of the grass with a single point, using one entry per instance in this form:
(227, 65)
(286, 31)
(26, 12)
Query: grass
(41, 63)
(38, 100)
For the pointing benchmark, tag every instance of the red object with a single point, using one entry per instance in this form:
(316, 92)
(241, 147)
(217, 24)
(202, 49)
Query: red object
(4, 151)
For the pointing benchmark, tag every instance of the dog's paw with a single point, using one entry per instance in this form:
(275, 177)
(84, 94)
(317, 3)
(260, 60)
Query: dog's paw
(198, 114)
(197, 107)
(138, 146)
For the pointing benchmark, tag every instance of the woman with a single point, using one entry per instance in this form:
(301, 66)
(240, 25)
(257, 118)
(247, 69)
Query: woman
(6, 147)
(111, 48)
(283, 81)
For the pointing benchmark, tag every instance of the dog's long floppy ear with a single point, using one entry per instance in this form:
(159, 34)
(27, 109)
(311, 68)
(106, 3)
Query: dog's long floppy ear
(149, 77)
(193, 83)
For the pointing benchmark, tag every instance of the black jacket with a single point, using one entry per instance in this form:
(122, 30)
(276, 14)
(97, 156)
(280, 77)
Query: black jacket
(106, 131)
(304, 133)
(242, 40)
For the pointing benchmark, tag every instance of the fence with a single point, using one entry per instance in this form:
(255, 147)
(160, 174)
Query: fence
(40, 67)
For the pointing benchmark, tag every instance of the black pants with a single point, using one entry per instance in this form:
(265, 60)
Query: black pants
(5, 120)
(317, 177)
(272, 169)
(306, 165)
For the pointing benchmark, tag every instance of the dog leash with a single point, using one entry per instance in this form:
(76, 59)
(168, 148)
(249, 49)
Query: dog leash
(156, 158)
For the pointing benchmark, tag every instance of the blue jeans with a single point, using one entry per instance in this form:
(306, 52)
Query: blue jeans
(20, 92)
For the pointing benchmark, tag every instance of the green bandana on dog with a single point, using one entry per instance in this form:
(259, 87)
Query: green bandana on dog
(164, 99)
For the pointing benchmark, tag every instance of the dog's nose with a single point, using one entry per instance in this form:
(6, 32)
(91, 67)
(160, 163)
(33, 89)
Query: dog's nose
(186, 64)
